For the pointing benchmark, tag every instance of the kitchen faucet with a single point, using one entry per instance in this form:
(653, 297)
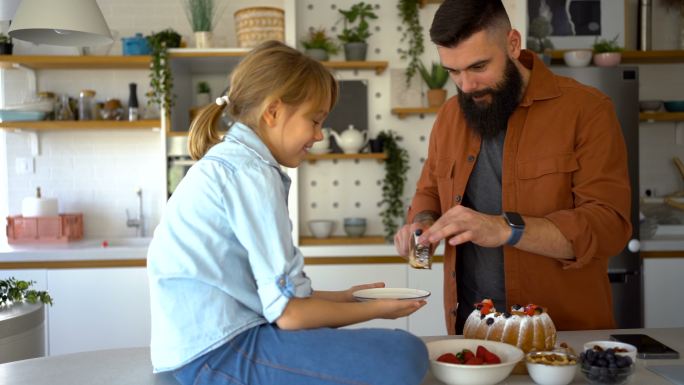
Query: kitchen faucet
(138, 223)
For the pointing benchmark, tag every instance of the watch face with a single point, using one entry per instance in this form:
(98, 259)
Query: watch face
(514, 219)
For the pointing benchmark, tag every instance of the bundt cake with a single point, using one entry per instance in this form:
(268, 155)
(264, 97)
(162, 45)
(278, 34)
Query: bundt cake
(527, 327)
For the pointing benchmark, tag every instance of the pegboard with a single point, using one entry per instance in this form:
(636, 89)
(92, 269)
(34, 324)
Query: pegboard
(348, 188)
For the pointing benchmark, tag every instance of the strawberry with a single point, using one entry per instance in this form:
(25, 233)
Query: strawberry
(491, 358)
(531, 309)
(481, 351)
(448, 357)
(467, 354)
(475, 361)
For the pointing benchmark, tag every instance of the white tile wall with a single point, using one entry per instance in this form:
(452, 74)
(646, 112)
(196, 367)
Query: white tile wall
(93, 172)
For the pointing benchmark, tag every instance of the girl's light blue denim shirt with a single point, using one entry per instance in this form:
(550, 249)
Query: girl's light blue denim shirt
(222, 259)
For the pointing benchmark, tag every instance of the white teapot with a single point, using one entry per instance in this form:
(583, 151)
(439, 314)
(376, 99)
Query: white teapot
(350, 140)
(322, 147)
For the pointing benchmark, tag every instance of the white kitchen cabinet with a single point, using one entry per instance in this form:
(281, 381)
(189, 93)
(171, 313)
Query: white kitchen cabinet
(663, 286)
(98, 309)
(428, 321)
(342, 277)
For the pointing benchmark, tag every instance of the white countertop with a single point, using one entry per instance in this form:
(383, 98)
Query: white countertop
(136, 248)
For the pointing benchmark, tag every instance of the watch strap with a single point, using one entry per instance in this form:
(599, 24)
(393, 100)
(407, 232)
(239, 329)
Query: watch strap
(516, 234)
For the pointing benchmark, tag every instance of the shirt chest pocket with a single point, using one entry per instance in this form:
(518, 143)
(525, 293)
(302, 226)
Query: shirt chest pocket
(547, 182)
(444, 173)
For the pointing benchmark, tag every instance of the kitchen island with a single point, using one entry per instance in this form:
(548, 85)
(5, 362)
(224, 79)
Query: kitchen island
(132, 366)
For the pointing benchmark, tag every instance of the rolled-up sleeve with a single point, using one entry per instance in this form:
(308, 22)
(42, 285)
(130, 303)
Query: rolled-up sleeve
(259, 216)
(599, 226)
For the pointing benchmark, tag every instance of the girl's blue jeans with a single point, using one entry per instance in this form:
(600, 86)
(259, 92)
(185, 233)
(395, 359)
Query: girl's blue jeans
(267, 355)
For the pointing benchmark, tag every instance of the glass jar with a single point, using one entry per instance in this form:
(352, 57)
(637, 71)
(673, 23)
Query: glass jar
(86, 102)
(64, 112)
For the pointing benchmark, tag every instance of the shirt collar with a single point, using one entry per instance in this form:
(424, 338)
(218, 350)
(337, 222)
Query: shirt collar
(242, 134)
(542, 84)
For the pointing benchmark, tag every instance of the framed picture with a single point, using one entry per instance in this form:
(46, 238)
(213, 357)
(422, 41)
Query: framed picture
(577, 23)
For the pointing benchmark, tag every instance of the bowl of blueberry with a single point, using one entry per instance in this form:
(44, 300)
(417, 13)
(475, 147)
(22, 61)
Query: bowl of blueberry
(606, 367)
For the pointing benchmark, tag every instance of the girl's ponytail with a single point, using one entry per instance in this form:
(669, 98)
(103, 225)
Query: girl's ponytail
(203, 132)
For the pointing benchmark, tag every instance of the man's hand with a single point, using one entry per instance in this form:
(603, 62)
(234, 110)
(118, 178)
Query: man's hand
(402, 239)
(461, 224)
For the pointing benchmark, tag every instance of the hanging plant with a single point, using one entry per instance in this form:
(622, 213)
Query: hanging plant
(161, 80)
(14, 291)
(396, 167)
(410, 18)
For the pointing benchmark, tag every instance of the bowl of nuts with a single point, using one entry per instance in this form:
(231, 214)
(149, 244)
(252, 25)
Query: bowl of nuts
(556, 367)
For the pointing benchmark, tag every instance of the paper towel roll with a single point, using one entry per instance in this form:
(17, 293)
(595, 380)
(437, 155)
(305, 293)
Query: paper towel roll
(39, 207)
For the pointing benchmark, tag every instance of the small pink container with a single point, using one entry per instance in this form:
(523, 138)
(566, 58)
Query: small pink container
(607, 59)
(59, 229)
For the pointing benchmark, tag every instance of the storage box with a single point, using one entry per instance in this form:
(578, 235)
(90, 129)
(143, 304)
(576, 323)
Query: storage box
(59, 229)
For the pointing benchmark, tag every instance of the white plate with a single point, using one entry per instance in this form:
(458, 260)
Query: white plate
(390, 293)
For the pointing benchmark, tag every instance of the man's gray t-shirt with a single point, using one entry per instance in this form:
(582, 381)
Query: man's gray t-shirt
(480, 269)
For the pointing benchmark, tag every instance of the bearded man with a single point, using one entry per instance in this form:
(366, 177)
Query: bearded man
(526, 178)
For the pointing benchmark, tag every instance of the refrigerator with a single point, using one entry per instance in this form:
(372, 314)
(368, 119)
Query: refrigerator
(621, 84)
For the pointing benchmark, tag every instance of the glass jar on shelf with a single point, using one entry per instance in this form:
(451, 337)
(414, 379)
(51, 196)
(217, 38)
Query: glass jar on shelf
(64, 111)
(86, 101)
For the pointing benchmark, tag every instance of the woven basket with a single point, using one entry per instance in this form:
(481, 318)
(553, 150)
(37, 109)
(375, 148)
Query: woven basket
(255, 25)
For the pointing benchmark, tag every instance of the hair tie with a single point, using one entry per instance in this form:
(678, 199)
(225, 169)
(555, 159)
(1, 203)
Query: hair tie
(221, 100)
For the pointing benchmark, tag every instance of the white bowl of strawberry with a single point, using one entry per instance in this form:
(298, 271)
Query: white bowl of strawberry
(473, 362)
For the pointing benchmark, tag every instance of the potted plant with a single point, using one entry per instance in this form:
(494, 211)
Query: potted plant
(435, 80)
(203, 93)
(607, 53)
(318, 45)
(5, 44)
(538, 40)
(202, 16)
(13, 291)
(413, 31)
(356, 30)
(396, 167)
(161, 80)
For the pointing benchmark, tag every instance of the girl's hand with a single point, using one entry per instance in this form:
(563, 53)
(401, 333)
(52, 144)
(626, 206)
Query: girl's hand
(348, 294)
(394, 308)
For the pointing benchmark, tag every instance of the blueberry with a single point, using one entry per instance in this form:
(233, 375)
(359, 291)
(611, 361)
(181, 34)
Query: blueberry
(490, 321)
(507, 315)
(516, 307)
(602, 362)
(482, 316)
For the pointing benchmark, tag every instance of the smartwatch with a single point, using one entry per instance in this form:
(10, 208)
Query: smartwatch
(517, 225)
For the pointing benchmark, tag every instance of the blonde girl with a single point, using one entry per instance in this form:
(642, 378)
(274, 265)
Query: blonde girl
(230, 301)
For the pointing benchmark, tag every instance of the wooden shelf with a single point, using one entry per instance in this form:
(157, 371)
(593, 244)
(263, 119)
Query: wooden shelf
(637, 57)
(75, 62)
(312, 158)
(425, 2)
(403, 112)
(64, 125)
(661, 116)
(368, 240)
(378, 66)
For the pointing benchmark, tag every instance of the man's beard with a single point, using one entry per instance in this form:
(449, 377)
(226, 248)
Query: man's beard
(490, 119)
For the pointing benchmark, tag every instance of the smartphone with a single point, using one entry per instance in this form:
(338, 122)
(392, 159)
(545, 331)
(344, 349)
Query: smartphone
(647, 346)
